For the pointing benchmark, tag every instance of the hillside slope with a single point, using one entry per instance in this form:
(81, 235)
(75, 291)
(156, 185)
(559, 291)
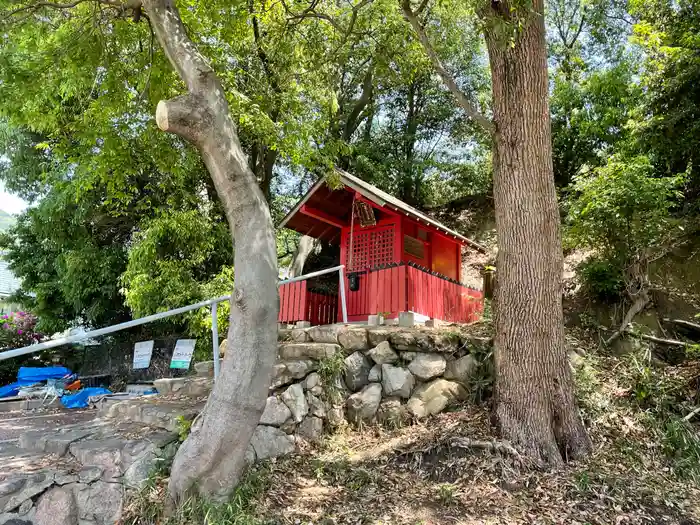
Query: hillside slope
(6, 221)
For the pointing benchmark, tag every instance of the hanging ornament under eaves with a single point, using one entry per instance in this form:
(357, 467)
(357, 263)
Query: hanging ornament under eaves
(365, 214)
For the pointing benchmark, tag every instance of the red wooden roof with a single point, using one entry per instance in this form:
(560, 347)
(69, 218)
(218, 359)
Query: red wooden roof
(323, 211)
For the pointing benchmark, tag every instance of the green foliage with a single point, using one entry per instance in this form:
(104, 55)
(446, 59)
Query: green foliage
(147, 507)
(177, 259)
(170, 258)
(71, 247)
(681, 444)
(622, 210)
(666, 125)
(482, 379)
(605, 278)
(623, 207)
(447, 493)
(663, 398)
(183, 428)
(589, 118)
(487, 314)
(343, 472)
(330, 370)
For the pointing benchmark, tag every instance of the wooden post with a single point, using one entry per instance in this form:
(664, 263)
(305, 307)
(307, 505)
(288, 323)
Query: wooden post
(489, 276)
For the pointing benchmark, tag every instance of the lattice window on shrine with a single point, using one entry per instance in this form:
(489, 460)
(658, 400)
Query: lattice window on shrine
(370, 248)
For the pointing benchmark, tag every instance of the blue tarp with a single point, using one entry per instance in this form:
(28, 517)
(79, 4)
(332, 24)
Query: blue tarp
(37, 375)
(10, 390)
(80, 400)
(31, 375)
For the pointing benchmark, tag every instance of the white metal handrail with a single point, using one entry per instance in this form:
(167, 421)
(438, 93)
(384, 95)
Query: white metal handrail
(46, 345)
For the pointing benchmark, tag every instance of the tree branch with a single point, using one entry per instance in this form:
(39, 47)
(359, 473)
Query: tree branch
(462, 99)
(637, 307)
(177, 115)
(33, 8)
(684, 324)
(188, 62)
(134, 6)
(670, 342)
(353, 118)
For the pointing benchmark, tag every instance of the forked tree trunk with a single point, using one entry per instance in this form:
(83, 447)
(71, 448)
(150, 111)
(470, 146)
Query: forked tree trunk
(306, 247)
(535, 404)
(212, 457)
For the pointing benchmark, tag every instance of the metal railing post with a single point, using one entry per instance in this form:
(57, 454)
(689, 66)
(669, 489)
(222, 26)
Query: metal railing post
(341, 286)
(215, 338)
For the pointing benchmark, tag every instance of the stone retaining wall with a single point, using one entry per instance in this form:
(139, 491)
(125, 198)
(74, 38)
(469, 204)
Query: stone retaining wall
(329, 375)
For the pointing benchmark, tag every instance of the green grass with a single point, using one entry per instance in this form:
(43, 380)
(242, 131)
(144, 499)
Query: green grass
(147, 506)
(331, 369)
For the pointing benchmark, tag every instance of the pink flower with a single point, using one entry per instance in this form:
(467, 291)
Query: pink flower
(19, 332)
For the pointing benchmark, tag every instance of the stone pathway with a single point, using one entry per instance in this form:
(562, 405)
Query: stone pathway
(73, 467)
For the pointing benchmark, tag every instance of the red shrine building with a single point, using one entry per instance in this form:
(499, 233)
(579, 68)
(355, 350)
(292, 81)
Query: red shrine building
(396, 258)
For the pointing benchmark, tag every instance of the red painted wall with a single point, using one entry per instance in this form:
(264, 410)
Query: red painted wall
(445, 257)
(385, 243)
(441, 254)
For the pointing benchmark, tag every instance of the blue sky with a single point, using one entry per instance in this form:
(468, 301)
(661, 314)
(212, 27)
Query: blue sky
(10, 203)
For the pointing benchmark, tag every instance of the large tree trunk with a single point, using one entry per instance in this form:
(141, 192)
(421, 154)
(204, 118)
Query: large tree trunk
(535, 404)
(306, 247)
(212, 457)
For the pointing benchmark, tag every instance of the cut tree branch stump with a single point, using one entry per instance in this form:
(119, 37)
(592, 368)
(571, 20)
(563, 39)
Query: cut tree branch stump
(685, 324)
(670, 342)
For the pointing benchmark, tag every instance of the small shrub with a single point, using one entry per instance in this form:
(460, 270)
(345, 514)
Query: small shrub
(342, 472)
(184, 426)
(447, 493)
(146, 507)
(602, 277)
(622, 210)
(582, 480)
(482, 378)
(330, 370)
(487, 314)
(17, 329)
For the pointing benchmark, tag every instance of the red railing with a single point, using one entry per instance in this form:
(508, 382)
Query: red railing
(321, 308)
(293, 302)
(439, 298)
(297, 303)
(388, 291)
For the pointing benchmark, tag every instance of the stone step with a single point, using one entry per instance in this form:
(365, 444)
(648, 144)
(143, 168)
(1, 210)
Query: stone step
(89, 463)
(193, 387)
(155, 411)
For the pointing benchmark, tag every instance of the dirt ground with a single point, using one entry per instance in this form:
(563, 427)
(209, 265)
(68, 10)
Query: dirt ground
(638, 473)
(417, 475)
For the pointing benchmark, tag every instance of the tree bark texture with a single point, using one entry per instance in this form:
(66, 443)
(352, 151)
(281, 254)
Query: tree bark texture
(535, 406)
(306, 247)
(212, 457)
